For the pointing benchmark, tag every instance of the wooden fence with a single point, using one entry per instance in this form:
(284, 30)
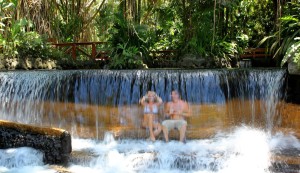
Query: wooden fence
(74, 48)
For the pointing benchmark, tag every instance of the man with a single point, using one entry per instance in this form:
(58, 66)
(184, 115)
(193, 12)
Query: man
(176, 110)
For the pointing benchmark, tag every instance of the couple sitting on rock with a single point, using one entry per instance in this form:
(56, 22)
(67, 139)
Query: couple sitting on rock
(175, 113)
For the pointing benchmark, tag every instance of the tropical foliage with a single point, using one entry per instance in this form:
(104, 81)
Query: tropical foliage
(211, 29)
(285, 41)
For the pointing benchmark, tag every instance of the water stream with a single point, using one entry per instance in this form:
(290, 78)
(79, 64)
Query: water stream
(238, 123)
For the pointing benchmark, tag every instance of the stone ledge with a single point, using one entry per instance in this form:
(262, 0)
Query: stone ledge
(54, 143)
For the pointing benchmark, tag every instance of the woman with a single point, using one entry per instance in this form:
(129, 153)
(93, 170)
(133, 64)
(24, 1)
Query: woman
(151, 102)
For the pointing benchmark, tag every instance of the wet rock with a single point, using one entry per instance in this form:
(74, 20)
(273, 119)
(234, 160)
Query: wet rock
(82, 157)
(54, 143)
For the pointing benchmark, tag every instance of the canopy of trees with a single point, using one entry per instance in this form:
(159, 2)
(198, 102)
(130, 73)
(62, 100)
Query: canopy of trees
(213, 29)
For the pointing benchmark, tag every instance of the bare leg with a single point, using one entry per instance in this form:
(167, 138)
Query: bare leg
(182, 133)
(145, 122)
(157, 130)
(150, 125)
(166, 133)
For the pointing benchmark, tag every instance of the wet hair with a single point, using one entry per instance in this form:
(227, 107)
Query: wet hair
(155, 98)
(175, 90)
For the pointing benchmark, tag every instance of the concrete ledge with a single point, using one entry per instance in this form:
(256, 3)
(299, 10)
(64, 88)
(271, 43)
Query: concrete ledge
(54, 143)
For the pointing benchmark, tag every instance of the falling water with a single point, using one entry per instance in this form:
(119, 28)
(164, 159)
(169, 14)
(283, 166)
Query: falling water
(33, 97)
(241, 106)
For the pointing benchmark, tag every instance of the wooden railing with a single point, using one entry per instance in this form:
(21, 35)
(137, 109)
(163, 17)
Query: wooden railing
(74, 48)
(253, 53)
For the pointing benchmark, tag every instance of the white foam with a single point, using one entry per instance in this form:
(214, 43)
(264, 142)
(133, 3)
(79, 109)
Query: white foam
(20, 157)
(243, 150)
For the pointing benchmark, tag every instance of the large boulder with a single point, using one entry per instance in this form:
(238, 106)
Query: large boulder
(53, 142)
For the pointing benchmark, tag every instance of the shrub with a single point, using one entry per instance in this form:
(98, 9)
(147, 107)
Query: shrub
(126, 58)
(32, 45)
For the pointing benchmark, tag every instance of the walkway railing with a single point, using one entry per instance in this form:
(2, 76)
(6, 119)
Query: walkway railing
(74, 48)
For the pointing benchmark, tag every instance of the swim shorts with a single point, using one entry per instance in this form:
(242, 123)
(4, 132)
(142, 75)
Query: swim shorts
(172, 124)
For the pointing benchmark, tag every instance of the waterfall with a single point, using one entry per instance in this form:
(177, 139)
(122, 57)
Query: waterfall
(81, 98)
(91, 103)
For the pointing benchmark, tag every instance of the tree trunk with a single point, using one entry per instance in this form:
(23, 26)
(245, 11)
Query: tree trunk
(214, 27)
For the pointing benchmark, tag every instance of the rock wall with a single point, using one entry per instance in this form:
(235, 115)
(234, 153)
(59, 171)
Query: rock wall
(293, 68)
(293, 88)
(27, 63)
(54, 143)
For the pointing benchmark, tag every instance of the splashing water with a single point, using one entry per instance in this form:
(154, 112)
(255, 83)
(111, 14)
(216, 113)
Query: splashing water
(244, 150)
(22, 160)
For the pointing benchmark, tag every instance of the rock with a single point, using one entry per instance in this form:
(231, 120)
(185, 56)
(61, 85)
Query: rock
(2, 62)
(25, 63)
(145, 66)
(28, 63)
(38, 63)
(50, 64)
(293, 68)
(11, 63)
(54, 143)
(222, 62)
(53, 64)
(192, 61)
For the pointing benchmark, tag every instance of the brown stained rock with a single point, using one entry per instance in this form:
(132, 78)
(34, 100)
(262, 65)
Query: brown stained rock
(54, 143)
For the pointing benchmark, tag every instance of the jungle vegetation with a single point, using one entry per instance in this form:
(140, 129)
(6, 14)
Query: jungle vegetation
(218, 30)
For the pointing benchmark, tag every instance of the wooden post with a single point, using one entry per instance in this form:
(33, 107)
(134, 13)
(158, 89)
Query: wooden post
(93, 51)
(74, 51)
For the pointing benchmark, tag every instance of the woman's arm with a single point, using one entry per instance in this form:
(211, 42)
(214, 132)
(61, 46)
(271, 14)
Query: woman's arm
(159, 100)
(143, 100)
